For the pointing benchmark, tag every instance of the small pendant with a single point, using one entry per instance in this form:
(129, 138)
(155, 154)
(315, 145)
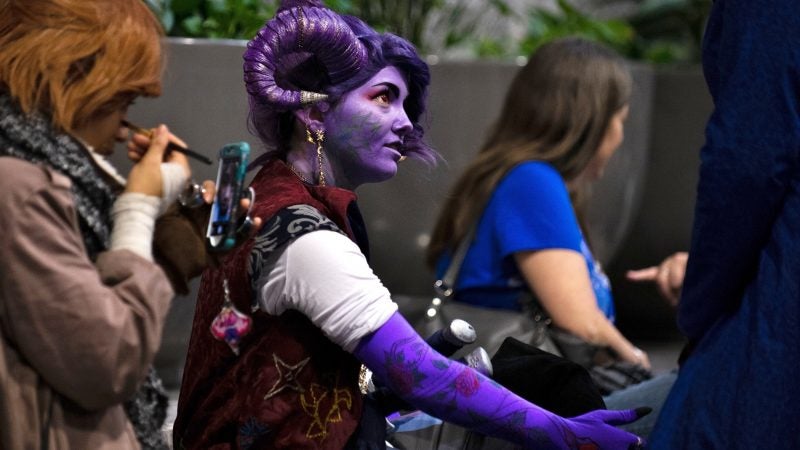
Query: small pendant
(365, 380)
(230, 325)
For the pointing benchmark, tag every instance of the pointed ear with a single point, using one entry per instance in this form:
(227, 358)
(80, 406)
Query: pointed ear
(311, 116)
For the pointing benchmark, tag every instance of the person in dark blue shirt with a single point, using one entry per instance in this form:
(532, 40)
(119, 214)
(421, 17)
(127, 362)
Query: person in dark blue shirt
(740, 303)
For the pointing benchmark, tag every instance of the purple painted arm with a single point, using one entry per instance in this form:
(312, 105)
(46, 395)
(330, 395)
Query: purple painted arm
(447, 389)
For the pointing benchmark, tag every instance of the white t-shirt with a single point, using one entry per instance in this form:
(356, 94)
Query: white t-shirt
(324, 275)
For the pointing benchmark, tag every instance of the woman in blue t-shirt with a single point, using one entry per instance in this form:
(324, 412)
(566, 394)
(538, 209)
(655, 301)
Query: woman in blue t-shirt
(561, 122)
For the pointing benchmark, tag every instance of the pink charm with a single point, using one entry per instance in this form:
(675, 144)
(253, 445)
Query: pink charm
(230, 325)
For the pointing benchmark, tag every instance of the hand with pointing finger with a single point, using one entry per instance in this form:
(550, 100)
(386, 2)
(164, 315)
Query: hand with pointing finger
(668, 276)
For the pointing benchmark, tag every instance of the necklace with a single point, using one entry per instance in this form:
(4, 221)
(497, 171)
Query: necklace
(299, 175)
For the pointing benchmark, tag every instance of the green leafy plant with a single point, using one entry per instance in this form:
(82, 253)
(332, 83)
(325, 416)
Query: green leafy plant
(414, 19)
(670, 30)
(404, 17)
(464, 27)
(232, 19)
(660, 31)
(241, 19)
(545, 25)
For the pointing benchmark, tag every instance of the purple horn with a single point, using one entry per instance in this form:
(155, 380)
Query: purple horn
(296, 31)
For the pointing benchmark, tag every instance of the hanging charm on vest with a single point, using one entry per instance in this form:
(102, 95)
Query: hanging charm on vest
(230, 325)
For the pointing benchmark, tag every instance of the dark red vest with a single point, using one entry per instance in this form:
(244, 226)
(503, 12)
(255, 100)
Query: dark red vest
(290, 387)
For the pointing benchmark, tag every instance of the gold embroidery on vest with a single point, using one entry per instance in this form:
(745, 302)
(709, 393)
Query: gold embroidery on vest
(287, 377)
(317, 393)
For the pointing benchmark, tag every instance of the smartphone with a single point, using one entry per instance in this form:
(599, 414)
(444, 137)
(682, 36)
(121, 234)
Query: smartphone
(224, 219)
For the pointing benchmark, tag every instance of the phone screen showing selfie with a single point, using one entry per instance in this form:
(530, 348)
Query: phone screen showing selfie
(224, 204)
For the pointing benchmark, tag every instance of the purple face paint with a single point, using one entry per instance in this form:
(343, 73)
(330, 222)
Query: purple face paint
(364, 131)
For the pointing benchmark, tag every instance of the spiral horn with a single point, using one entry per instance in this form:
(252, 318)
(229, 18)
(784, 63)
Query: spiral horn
(292, 32)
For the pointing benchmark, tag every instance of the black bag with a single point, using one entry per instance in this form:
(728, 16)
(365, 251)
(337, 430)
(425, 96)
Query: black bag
(546, 380)
(608, 373)
(532, 326)
(618, 375)
(576, 349)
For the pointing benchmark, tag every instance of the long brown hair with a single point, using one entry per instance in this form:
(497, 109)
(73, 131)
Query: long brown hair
(73, 59)
(557, 110)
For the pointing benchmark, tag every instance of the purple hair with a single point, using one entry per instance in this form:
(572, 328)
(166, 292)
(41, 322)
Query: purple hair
(307, 54)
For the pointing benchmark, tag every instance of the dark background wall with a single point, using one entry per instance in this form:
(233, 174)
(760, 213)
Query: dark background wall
(662, 225)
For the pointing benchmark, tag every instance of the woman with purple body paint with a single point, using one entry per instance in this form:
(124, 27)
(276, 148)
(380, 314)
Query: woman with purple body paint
(336, 105)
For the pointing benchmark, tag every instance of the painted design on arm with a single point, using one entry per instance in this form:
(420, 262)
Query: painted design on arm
(417, 373)
(402, 361)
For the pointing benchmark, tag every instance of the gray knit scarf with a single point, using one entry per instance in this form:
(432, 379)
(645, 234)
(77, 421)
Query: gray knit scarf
(32, 138)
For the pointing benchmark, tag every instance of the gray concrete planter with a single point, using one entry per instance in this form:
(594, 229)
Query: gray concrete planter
(204, 102)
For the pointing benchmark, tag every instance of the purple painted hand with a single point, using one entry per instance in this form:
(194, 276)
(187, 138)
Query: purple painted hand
(599, 431)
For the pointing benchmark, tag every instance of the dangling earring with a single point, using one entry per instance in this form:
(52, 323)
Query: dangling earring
(317, 140)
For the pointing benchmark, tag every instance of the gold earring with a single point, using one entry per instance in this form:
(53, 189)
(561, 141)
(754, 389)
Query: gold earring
(317, 140)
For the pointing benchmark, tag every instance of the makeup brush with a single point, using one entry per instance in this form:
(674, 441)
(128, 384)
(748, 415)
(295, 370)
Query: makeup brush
(171, 145)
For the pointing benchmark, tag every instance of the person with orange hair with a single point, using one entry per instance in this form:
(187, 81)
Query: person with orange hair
(82, 301)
